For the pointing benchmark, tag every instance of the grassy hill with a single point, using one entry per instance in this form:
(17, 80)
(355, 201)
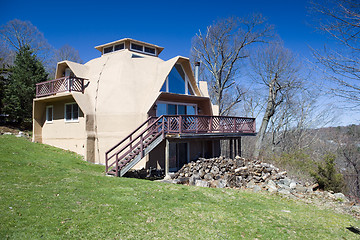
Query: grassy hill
(49, 193)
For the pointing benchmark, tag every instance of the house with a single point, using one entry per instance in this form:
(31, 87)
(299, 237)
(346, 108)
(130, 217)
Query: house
(109, 109)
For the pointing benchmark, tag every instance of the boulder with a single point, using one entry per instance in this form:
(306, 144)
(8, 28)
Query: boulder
(340, 197)
(201, 183)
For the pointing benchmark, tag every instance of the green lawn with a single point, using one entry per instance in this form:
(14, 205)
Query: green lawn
(48, 193)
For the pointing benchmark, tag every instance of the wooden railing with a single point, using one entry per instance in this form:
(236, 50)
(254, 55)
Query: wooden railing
(65, 84)
(137, 141)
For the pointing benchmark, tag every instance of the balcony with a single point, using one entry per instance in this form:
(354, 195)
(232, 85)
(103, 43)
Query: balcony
(65, 84)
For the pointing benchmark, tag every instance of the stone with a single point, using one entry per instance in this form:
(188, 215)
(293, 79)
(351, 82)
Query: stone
(256, 188)
(221, 183)
(301, 189)
(238, 181)
(208, 177)
(251, 184)
(183, 180)
(282, 186)
(271, 186)
(201, 183)
(201, 173)
(340, 197)
(284, 191)
(193, 178)
(241, 169)
(292, 185)
(214, 170)
(285, 181)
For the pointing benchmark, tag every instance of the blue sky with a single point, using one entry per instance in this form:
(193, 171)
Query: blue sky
(170, 24)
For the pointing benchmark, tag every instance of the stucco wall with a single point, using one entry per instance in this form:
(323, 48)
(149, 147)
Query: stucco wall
(66, 135)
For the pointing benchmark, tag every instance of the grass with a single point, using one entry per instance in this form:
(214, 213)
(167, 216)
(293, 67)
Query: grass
(48, 193)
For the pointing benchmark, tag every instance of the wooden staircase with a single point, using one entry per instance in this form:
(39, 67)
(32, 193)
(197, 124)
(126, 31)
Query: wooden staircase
(127, 153)
(132, 149)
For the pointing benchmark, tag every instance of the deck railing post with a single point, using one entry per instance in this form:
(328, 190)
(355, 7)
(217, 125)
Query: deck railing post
(106, 163)
(51, 88)
(70, 84)
(130, 139)
(211, 124)
(196, 124)
(82, 85)
(180, 124)
(142, 145)
(117, 166)
(163, 126)
(234, 123)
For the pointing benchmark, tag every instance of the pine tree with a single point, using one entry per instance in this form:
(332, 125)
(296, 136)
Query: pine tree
(3, 78)
(21, 84)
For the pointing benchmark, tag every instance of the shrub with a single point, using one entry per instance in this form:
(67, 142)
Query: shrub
(327, 176)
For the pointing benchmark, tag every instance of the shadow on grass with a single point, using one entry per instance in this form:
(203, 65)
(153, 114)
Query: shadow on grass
(353, 229)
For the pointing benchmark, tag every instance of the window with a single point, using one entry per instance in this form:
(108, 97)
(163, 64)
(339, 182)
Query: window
(150, 50)
(143, 49)
(119, 47)
(137, 47)
(108, 49)
(71, 112)
(49, 114)
(177, 82)
(167, 108)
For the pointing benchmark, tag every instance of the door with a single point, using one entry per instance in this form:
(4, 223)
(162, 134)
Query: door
(178, 156)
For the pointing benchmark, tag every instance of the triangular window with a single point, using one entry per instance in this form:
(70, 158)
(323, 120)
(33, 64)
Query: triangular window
(177, 82)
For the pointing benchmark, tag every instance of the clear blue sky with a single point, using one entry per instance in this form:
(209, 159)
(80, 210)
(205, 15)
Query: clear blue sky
(170, 24)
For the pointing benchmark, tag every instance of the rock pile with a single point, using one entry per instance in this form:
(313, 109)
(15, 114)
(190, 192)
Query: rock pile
(241, 173)
(258, 176)
(235, 173)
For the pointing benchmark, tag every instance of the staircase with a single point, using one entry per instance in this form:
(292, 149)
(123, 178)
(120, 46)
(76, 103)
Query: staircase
(127, 153)
(132, 149)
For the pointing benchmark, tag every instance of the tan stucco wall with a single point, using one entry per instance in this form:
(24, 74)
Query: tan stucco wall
(120, 91)
(66, 135)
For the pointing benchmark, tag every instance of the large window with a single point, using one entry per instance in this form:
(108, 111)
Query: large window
(71, 112)
(177, 82)
(49, 114)
(164, 108)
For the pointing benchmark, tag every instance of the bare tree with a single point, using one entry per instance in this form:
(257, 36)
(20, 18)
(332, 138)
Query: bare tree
(67, 52)
(222, 50)
(349, 151)
(277, 69)
(340, 20)
(16, 34)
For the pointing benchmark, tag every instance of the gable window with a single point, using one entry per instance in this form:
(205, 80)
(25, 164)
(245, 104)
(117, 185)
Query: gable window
(177, 82)
(49, 114)
(71, 112)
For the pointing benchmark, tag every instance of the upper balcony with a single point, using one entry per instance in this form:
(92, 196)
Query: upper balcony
(64, 84)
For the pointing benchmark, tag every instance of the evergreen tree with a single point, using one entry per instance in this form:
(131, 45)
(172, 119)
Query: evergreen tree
(3, 78)
(20, 90)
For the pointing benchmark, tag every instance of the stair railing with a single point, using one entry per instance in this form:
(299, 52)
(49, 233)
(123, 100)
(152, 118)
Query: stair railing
(172, 124)
(155, 127)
